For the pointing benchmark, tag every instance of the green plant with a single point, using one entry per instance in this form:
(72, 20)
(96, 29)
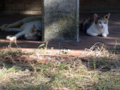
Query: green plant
(115, 48)
(94, 62)
(64, 51)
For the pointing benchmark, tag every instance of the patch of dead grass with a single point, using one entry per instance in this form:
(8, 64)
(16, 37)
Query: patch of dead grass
(95, 69)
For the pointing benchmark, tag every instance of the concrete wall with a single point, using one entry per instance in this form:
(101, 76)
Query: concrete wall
(60, 20)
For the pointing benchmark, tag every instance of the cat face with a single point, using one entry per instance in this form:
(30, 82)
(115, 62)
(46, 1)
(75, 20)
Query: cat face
(33, 34)
(101, 22)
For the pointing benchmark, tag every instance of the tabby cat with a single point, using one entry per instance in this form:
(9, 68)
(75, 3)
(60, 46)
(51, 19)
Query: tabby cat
(97, 25)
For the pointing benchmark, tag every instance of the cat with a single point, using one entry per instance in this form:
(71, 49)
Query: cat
(18, 24)
(31, 30)
(97, 25)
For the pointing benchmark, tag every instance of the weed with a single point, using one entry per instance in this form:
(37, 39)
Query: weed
(94, 62)
(64, 51)
(115, 48)
(40, 46)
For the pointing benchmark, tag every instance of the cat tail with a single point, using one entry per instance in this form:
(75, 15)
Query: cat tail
(86, 24)
(82, 26)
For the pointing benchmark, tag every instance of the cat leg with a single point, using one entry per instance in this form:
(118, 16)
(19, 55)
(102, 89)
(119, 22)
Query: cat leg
(13, 29)
(13, 38)
(8, 27)
(15, 25)
(104, 35)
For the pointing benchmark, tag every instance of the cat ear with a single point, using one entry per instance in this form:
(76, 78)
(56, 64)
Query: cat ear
(107, 16)
(95, 16)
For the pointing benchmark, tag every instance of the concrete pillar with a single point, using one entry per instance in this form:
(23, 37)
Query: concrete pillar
(60, 20)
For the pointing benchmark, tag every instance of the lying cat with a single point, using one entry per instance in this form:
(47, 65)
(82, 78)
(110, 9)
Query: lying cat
(30, 27)
(97, 25)
(31, 30)
(18, 24)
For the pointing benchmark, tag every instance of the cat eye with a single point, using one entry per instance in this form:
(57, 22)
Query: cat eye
(99, 22)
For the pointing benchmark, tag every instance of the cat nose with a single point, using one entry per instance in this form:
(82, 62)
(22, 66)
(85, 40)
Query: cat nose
(102, 26)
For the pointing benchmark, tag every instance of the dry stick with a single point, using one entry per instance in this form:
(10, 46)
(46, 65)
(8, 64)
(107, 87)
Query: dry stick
(33, 67)
(95, 45)
(10, 58)
(102, 67)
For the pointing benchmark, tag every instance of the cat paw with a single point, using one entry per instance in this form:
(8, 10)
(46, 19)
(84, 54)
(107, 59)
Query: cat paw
(11, 38)
(104, 35)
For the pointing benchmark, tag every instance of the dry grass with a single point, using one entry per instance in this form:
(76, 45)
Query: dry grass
(97, 69)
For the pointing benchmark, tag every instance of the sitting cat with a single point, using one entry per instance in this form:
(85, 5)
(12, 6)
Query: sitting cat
(31, 30)
(97, 25)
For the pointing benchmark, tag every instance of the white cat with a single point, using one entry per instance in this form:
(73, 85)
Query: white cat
(96, 26)
(31, 30)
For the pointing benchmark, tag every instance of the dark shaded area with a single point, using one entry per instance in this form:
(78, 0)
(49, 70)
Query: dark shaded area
(20, 5)
(99, 5)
